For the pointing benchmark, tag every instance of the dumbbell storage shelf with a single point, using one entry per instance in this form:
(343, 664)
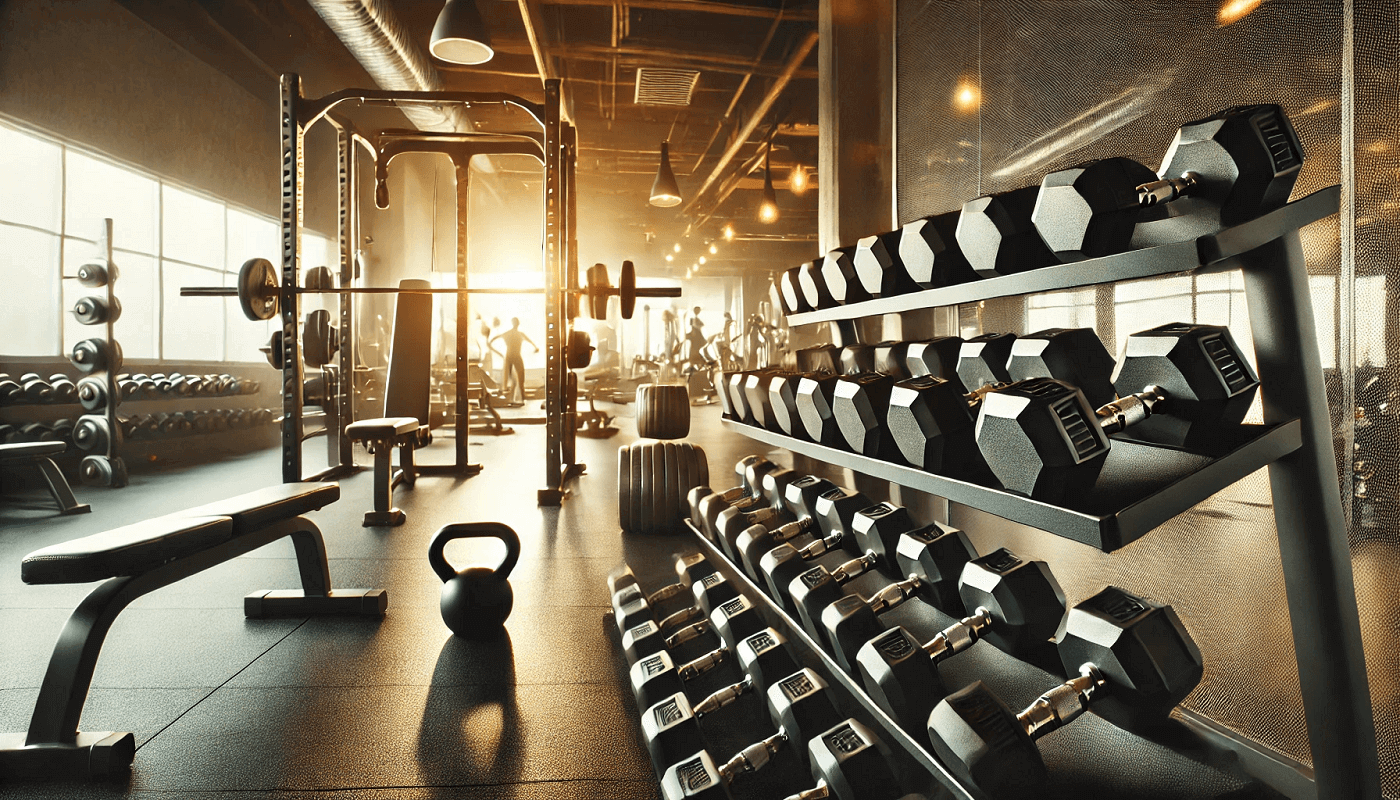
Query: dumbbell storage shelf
(1295, 443)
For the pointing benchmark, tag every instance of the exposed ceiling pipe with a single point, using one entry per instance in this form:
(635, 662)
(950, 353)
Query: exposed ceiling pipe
(534, 31)
(371, 31)
(741, 138)
(739, 92)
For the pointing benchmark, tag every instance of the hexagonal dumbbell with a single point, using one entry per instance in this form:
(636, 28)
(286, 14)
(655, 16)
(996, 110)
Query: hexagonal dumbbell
(930, 254)
(800, 705)
(937, 356)
(706, 505)
(1042, 438)
(756, 397)
(658, 676)
(812, 362)
(1219, 171)
(996, 235)
(834, 511)
(859, 401)
(790, 291)
(936, 553)
(849, 762)
(800, 498)
(1016, 605)
(708, 591)
(1131, 658)
(813, 284)
(879, 265)
(814, 396)
(838, 270)
(853, 620)
(768, 510)
(982, 360)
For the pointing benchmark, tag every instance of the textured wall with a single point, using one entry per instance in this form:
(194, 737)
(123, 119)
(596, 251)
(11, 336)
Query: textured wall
(993, 94)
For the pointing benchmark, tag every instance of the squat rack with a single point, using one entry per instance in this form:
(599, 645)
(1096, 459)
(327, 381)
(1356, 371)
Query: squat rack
(556, 149)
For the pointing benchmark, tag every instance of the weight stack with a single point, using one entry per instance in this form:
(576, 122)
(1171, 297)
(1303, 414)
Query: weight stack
(663, 411)
(653, 479)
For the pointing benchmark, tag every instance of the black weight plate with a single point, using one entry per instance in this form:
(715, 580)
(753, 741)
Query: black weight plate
(636, 487)
(673, 484)
(686, 472)
(624, 488)
(648, 488)
(257, 289)
(627, 289)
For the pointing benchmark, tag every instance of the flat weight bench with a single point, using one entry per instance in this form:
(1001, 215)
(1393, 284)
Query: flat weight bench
(406, 403)
(37, 453)
(137, 559)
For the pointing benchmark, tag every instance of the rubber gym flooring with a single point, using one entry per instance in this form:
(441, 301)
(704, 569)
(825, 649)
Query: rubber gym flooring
(224, 706)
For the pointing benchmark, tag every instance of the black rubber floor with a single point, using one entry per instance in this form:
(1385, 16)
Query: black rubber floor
(224, 706)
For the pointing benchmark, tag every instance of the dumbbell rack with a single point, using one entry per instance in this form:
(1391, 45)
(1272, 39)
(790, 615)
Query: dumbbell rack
(1294, 443)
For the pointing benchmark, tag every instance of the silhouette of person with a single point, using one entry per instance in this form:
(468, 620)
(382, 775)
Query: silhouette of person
(513, 362)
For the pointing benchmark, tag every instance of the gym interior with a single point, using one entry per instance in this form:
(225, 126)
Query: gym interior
(372, 372)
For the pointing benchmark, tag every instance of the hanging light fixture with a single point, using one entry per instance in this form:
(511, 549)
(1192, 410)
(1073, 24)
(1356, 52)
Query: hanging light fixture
(768, 209)
(664, 191)
(797, 179)
(460, 34)
(728, 232)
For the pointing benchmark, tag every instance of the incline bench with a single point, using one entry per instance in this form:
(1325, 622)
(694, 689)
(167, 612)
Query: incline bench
(140, 558)
(37, 453)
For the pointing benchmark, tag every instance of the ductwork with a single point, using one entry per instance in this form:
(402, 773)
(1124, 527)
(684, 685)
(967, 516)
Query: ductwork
(371, 31)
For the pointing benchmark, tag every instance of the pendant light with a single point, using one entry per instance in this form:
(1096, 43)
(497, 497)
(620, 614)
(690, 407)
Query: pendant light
(768, 209)
(460, 35)
(664, 191)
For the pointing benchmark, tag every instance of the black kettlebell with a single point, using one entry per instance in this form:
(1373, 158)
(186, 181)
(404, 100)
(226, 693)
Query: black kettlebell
(475, 601)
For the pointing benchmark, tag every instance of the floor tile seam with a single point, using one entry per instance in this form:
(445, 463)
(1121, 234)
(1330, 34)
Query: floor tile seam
(211, 692)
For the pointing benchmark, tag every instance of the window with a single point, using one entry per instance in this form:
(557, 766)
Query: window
(164, 237)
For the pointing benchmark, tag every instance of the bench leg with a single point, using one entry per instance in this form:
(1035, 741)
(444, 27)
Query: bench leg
(316, 595)
(59, 488)
(384, 512)
(410, 472)
(53, 747)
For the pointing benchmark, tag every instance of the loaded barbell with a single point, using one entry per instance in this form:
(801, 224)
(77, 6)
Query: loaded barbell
(259, 292)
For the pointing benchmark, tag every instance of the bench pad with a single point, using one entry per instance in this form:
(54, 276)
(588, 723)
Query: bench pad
(129, 550)
(256, 510)
(382, 428)
(31, 450)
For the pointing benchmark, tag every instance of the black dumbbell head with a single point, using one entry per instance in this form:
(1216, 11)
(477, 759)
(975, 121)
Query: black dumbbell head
(642, 640)
(931, 425)
(835, 511)
(765, 658)
(1140, 646)
(936, 553)
(737, 619)
(938, 356)
(813, 284)
(757, 400)
(814, 397)
(654, 678)
(879, 265)
(1247, 159)
(726, 404)
(1041, 439)
(982, 360)
(801, 705)
(818, 587)
(695, 777)
(822, 358)
(853, 763)
(878, 529)
(782, 399)
(929, 252)
(1091, 210)
(980, 740)
(713, 590)
(900, 677)
(857, 359)
(860, 403)
(801, 495)
(1074, 355)
(838, 270)
(996, 235)
(779, 566)
(670, 730)
(1206, 376)
(1023, 597)
(790, 290)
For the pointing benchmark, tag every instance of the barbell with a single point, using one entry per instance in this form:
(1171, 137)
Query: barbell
(259, 292)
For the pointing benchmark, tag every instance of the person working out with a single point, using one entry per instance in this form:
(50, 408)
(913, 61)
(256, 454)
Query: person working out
(512, 358)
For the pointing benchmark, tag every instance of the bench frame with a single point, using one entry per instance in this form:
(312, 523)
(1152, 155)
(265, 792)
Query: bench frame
(58, 485)
(53, 746)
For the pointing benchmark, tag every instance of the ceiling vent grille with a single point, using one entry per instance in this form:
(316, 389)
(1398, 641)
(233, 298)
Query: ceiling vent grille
(665, 87)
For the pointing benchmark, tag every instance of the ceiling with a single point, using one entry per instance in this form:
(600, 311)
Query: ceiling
(756, 61)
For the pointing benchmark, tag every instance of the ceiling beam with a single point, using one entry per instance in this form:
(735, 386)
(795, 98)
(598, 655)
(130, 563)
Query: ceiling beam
(534, 34)
(648, 56)
(700, 6)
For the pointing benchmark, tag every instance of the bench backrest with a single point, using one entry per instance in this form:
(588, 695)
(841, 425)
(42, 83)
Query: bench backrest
(410, 357)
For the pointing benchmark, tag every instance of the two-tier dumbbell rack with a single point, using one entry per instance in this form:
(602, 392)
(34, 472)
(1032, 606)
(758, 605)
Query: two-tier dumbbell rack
(1294, 442)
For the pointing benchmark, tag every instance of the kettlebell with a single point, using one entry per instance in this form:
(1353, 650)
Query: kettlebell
(475, 601)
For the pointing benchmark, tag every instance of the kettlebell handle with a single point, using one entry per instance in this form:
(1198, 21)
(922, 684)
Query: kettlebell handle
(473, 530)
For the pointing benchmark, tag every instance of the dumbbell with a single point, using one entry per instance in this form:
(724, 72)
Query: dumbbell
(96, 310)
(757, 402)
(838, 271)
(34, 389)
(879, 532)
(63, 430)
(708, 591)
(705, 504)
(849, 762)
(35, 432)
(658, 676)
(1131, 659)
(834, 511)
(800, 499)
(10, 390)
(800, 705)
(90, 355)
(859, 401)
(1177, 384)
(1015, 605)
(94, 434)
(790, 292)
(767, 511)
(64, 390)
(929, 253)
(813, 285)
(145, 385)
(1219, 171)
(996, 235)
(813, 362)
(624, 587)
(200, 421)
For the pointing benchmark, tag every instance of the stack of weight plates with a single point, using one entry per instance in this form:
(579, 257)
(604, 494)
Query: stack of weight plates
(653, 479)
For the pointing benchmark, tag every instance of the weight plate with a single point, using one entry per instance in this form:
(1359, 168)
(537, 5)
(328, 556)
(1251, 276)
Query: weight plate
(318, 339)
(319, 278)
(598, 283)
(257, 289)
(634, 490)
(702, 467)
(673, 484)
(579, 350)
(97, 272)
(95, 471)
(663, 485)
(687, 474)
(627, 290)
(624, 488)
(647, 489)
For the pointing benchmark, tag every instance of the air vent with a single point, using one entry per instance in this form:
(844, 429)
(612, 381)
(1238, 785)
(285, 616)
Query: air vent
(665, 87)
(1237, 378)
